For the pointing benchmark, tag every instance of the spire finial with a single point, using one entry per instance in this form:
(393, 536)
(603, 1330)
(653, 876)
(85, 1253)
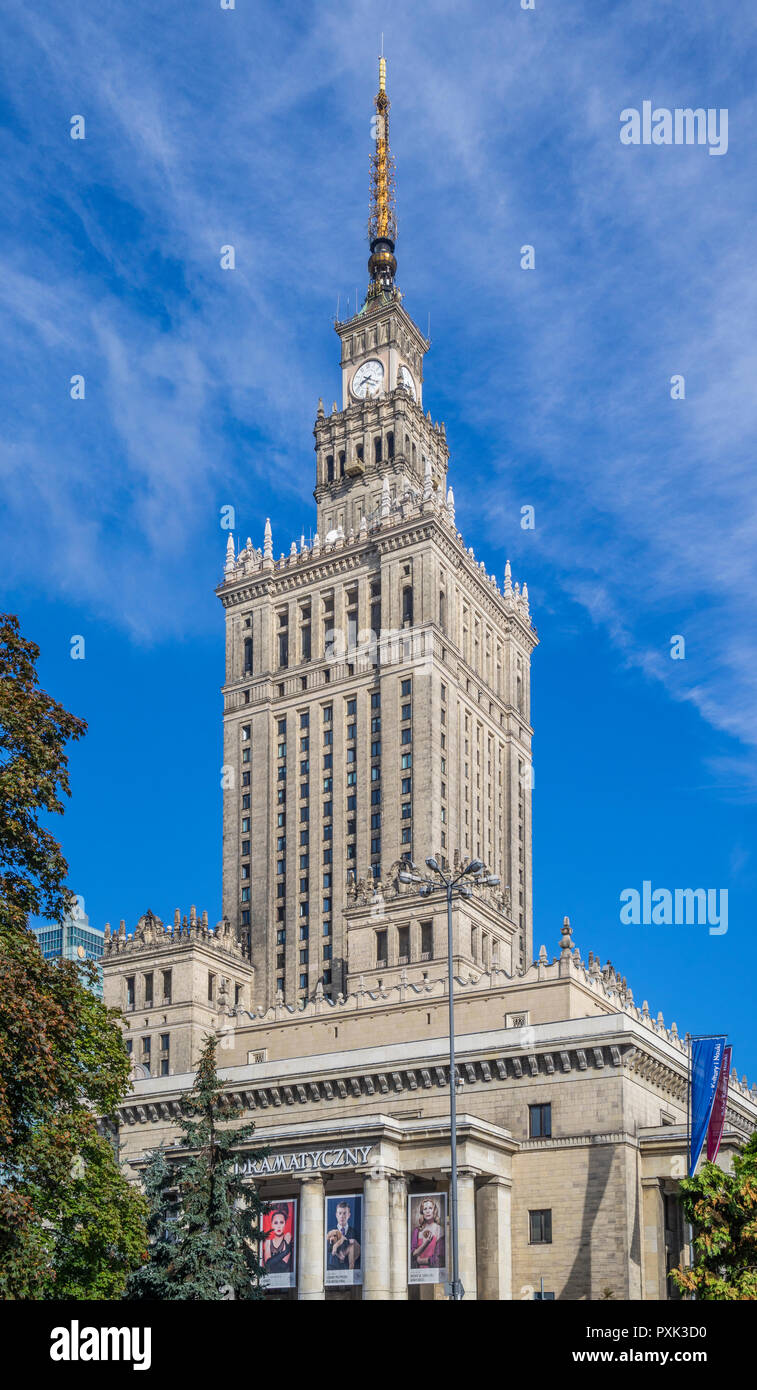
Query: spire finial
(382, 225)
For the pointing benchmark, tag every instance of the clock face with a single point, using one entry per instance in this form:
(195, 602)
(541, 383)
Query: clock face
(406, 379)
(368, 379)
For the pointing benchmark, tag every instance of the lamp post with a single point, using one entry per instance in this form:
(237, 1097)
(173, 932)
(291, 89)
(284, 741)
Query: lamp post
(426, 884)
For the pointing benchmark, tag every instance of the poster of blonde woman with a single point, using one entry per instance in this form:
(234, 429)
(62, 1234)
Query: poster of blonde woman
(427, 1238)
(278, 1248)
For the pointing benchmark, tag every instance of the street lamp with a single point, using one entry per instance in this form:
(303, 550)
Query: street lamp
(475, 870)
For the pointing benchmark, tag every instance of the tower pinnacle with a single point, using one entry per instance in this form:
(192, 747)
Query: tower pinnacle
(382, 225)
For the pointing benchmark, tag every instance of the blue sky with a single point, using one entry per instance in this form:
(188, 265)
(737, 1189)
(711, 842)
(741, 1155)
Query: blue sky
(251, 127)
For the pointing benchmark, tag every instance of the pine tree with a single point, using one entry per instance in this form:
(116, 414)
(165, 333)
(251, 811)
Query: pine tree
(210, 1251)
(157, 1279)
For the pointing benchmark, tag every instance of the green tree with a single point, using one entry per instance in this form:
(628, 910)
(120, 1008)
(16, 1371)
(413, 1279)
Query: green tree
(215, 1241)
(62, 1060)
(722, 1208)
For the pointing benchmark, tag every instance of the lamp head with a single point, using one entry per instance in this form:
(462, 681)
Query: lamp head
(492, 881)
(474, 867)
(432, 864)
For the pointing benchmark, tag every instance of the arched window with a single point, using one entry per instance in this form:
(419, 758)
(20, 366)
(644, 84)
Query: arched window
(330, 468)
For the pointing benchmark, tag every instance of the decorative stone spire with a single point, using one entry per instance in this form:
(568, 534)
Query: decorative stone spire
(321, 411)
(566, 939)
(382, 226)
(268, 541)
(427, 481)
(451, 506)
(508, 589)
(316, 544)
(385, 499)
(363, 529)
(229, 554)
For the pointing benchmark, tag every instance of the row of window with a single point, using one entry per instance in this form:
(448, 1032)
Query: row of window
(148, 996)
(145, 1055)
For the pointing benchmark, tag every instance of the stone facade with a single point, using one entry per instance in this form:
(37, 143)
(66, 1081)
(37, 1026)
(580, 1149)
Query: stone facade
(352, 1096)
(377, 693)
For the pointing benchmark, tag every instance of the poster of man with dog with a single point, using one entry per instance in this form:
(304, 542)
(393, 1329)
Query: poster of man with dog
(344, 1240)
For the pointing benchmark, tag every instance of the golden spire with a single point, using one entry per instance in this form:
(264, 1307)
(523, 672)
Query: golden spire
(382, 226)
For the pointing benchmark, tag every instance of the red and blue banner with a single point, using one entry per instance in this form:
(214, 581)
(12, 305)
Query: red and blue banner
(706, 1063)
(717, 1118)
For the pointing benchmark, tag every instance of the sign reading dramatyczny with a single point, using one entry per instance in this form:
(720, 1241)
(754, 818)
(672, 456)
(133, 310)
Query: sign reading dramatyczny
(304, 1160)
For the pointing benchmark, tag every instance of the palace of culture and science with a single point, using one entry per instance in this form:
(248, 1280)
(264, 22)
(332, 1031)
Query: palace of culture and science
(376, 714)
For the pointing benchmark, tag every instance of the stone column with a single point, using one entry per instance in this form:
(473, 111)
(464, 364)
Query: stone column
(466, 1229)
(376, 1236)
(494, 1243)
(312, 1238)
(398, 1238)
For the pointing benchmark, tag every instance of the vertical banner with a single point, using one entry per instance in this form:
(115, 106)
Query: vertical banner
(706, 1059)
(344, 1240)
(427, 1238)
(278, 1245)
(717, 1119)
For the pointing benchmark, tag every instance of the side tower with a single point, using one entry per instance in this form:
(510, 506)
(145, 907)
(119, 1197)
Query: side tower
(376, 704)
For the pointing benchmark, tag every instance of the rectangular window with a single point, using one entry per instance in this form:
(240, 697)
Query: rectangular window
(427, 940)
(281, 728)
(148, 990)
(211, 987)
(167, 979)
(540, 1227)
(381, 956)
(403, 944)
(406, 712)
(540, 1121)
(327, 712)
(245, 824)
(405, 688)
(376, 700)
(376, 844)
(164, 1042)
(407, 735)
(130, 992)
(246, 732)
(407, 786)
(376, 772)
(407, 760)
(376, 796)
(303, 981)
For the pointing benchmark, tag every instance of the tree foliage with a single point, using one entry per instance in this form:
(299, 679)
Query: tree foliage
(70, 1225)
(722, 1208)
(203, 1216)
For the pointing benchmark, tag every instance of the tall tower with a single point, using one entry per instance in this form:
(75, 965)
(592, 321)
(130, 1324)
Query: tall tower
(376, 703)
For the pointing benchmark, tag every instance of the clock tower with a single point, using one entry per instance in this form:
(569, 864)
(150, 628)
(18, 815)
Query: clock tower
(380, 438)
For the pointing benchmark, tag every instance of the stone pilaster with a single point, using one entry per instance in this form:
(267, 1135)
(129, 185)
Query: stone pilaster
(398, 1238)
(494, 1239)
(312, 1237)
(376, 1236)
(466, 1230)
(653, 1240)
